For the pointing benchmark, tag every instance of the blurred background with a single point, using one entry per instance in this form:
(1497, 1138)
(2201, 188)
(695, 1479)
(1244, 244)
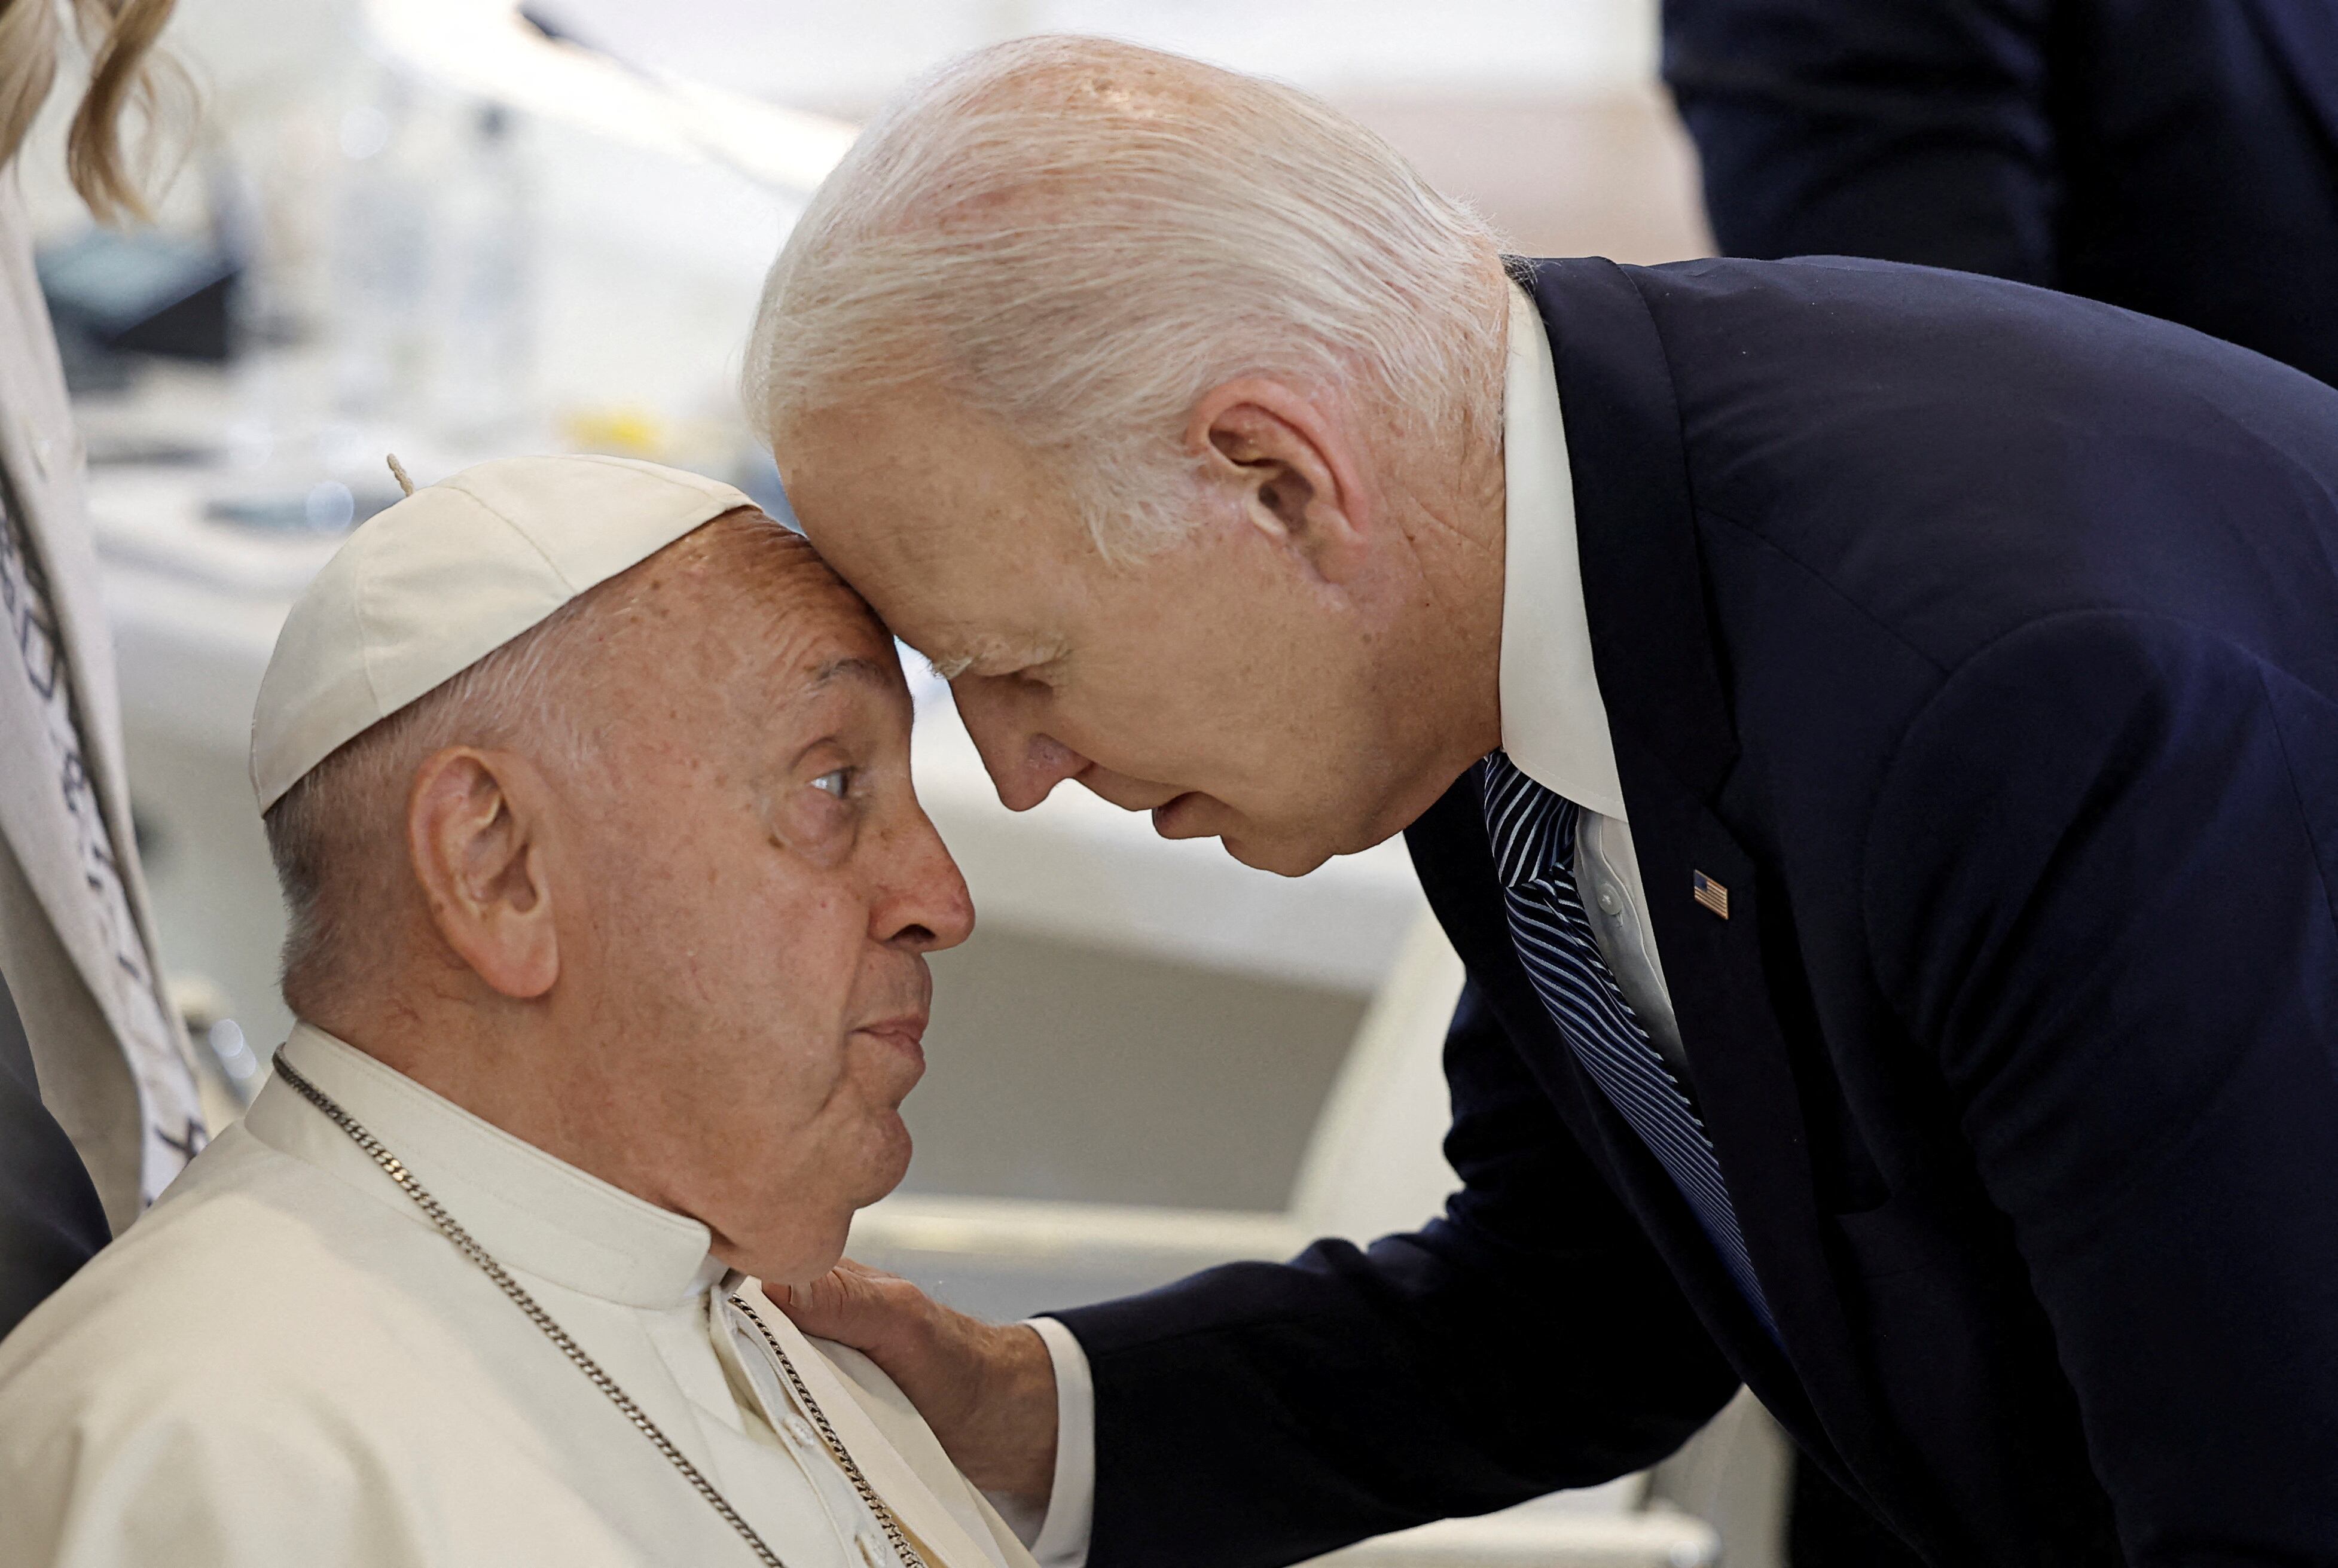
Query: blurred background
(452, 229)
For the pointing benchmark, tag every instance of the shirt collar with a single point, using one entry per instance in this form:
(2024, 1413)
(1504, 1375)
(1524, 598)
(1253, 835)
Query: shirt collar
(1553, 723)
(530, 1211)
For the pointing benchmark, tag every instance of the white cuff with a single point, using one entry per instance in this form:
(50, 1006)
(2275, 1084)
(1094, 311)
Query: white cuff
(1063, 1535)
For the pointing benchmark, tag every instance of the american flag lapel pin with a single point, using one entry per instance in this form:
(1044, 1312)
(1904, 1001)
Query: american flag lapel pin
(1711, 895)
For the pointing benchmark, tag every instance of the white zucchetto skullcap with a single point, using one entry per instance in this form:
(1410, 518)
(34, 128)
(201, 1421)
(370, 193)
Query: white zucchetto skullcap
(429, 587)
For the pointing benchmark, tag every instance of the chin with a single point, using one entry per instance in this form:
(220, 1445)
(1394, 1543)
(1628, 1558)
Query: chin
(875, 1173)
(1283, 857)
(793, 1269)
(807, 1234)
(888, 1159)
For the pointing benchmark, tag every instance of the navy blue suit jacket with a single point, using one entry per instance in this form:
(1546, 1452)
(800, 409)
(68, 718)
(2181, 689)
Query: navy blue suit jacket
(1983, 642)
(2178, 157)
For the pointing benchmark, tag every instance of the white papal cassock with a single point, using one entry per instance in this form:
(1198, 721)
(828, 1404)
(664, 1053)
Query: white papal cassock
(284, 1366)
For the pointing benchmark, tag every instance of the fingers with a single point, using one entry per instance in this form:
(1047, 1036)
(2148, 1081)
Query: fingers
(852, 1304)
(989, 1392)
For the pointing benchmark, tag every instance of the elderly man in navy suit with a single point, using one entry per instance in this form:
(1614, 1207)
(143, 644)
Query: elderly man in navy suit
(1870, 732)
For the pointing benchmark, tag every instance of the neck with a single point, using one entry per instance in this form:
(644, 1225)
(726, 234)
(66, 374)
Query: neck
(1462, 540)
(1457, 534)
(511, 1064)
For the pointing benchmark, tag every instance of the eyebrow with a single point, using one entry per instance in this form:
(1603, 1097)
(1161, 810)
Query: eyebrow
(1021, 656)
(949, 667)
(863, 672)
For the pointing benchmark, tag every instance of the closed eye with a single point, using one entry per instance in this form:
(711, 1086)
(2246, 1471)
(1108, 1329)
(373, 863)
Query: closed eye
(1040, 672)
(1037, 665)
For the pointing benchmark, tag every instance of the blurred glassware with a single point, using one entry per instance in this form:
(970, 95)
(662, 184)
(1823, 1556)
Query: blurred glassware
(390, 164)
(485, 295)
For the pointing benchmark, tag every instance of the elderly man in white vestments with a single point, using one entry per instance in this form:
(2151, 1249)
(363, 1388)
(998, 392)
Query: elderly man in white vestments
(590, 789)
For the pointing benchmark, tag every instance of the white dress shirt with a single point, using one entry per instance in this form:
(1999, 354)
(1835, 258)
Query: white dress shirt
(1554, 721)
(284, 1364)
(1554, 728)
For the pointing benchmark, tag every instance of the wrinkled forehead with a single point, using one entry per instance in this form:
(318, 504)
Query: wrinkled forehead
(813, 636)
(823, 644)
(742, 622)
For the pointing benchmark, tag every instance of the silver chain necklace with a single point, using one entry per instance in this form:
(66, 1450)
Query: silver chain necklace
(395, 1170)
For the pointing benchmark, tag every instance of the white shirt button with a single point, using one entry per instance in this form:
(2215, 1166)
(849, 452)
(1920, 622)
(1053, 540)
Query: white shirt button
(798, 1432)
(1610, 901)
(872, 1549)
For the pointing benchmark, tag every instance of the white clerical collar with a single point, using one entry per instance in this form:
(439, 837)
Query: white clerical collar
(1554, 723)
(532, 1212)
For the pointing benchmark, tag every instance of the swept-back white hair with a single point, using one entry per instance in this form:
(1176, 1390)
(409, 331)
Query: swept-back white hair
(1078, 238)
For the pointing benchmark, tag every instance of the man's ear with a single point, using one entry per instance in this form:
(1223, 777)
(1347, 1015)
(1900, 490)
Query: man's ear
(1299, 475)
(474, 827)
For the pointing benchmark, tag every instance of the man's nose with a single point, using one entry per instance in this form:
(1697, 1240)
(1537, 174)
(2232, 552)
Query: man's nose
(1025, 762)
(928, 908)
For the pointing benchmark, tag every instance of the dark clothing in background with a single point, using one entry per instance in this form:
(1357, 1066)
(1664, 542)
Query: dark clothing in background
(51, 1222)
(2178, 157)
(1983, 642)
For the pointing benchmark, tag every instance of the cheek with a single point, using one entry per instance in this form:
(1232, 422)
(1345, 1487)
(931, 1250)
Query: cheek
(1213, 718)
(796, 950)
(726, 937)
(830, 1128)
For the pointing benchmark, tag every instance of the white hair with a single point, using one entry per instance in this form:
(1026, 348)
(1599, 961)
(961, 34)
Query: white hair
(338, 836)
(1079, 238)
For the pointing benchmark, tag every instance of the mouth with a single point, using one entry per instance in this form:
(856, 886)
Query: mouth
(1175, 818)
(905, 1032)
(1128, 792)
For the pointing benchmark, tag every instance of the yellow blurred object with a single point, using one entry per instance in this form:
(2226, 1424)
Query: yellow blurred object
(618, 432)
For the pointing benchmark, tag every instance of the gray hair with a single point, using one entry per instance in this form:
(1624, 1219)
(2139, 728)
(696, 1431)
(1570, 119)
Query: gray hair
(338, 836)
(1079, 238)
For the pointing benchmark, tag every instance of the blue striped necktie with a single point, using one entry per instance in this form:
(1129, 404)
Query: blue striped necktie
(1532, 833)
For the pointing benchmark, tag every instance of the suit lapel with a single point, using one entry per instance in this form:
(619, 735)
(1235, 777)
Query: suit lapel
(1661, 676)
(1457, 872)
(1743, 1077)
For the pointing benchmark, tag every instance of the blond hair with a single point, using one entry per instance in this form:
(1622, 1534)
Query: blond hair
(1078, 238)
(119, 37)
